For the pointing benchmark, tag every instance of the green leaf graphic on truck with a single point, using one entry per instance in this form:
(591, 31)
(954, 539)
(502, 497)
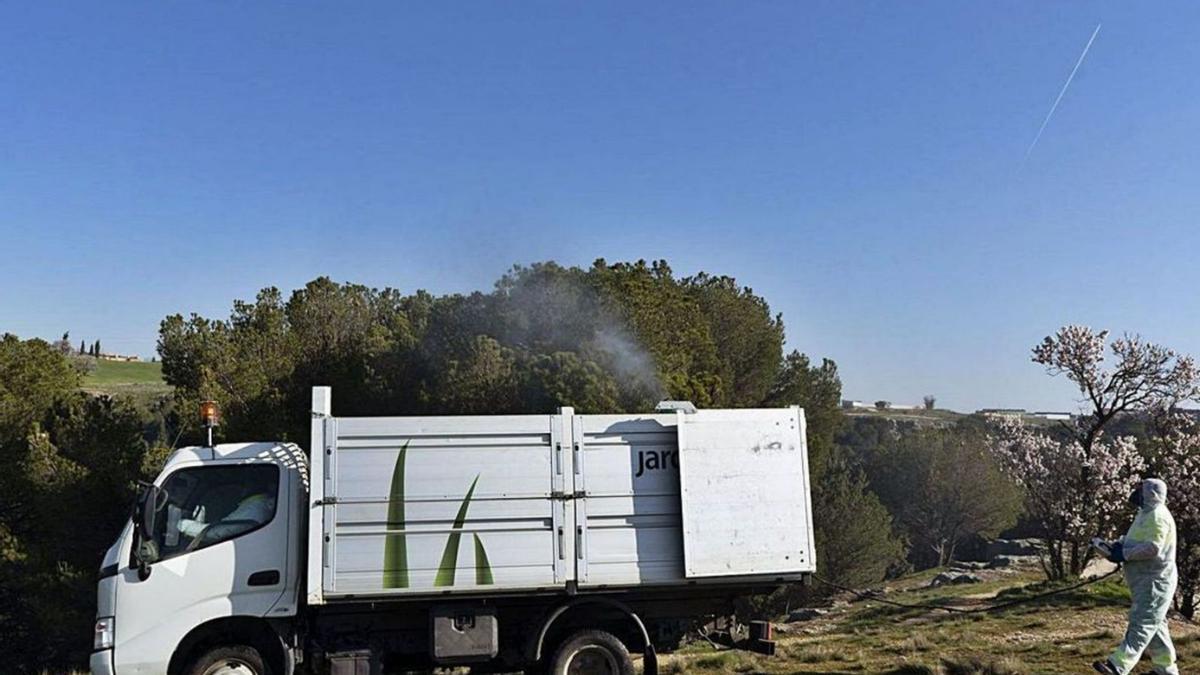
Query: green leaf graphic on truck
(395, 548)
(446, 570)
(395, 545)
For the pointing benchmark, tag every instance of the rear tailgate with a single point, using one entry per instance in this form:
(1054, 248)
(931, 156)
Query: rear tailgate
(744, 491)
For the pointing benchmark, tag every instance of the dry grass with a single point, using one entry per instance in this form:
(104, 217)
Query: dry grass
(1063, 634)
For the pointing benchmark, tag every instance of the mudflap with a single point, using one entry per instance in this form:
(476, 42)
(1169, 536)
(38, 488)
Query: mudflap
(649, 661)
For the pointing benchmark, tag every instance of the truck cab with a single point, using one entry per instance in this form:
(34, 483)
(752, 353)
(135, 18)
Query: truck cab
(217, 547)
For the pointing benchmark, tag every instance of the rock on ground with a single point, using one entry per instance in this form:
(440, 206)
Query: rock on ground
(1014, 547)
(1012, 561)
(806, 614)
(954, 579)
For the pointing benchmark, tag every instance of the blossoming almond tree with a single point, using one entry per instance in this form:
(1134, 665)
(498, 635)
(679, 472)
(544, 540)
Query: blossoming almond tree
(1076, 482)
(1071, 494)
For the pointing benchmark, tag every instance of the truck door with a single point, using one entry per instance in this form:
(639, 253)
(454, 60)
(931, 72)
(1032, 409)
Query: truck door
(222, 541)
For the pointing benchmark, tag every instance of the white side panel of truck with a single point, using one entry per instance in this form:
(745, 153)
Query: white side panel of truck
(475, 505)
(443, 504)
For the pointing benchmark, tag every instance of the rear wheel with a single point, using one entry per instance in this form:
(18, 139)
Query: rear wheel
(591, 652)
(230, 660)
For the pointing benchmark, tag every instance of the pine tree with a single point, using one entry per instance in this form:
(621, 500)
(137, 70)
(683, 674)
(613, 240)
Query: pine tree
(63, 344)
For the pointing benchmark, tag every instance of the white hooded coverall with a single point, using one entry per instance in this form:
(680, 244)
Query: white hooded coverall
(1149, 551)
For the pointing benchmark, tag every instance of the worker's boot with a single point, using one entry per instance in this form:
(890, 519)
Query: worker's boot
(1106, 667)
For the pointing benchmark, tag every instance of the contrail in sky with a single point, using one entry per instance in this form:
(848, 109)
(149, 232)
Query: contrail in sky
(1062, 92)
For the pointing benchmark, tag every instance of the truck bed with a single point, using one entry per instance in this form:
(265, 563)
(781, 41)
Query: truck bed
(481, 505)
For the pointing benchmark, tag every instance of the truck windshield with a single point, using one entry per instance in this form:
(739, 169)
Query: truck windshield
(210, 505)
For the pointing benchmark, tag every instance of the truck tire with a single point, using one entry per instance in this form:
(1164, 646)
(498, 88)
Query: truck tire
(591, 652)
(230, 660)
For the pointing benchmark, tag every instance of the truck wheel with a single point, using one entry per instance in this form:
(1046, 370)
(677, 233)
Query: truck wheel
(230, 660)
(592, 652)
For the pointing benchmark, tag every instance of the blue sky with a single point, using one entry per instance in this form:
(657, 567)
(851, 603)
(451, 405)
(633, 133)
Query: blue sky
(859, 164)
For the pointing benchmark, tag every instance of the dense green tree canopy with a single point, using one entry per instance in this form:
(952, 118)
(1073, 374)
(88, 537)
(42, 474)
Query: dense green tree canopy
(70, 465)
(819, 391)
(943, 487)
(612, 337)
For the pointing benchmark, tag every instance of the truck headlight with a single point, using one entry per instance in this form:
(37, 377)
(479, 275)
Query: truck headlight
(103, 636)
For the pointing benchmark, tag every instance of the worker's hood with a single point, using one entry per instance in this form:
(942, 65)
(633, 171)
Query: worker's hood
(1154, 493)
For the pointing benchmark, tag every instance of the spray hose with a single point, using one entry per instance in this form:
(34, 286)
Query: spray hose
(976, 610)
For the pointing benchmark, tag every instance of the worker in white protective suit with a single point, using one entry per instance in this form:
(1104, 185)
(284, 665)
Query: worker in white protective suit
(1148, 553)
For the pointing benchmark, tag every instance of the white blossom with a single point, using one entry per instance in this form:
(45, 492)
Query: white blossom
(1179, 465)
(1071, 493)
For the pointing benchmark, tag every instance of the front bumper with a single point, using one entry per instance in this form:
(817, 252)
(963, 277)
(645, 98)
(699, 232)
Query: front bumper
(102, 662)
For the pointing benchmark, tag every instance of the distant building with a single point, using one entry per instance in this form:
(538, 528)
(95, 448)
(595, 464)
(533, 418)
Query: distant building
(1001, 412)
(850, 404)
(1053, 415)
(120, 357)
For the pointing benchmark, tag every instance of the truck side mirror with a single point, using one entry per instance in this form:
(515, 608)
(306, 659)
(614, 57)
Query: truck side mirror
(151, 500)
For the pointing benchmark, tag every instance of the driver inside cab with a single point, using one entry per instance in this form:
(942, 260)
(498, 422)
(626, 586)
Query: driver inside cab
(254, 508)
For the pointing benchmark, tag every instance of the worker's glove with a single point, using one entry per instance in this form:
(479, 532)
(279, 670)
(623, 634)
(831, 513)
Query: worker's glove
(1118, 552)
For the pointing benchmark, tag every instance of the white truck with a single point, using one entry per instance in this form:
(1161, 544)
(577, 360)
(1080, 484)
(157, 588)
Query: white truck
(552, 543)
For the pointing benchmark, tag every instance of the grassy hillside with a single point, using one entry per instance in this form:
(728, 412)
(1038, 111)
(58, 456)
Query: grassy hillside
(118, 372)
(139, 379)
(1062, 634)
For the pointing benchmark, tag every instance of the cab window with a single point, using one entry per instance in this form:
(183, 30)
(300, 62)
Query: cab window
(209, 505)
